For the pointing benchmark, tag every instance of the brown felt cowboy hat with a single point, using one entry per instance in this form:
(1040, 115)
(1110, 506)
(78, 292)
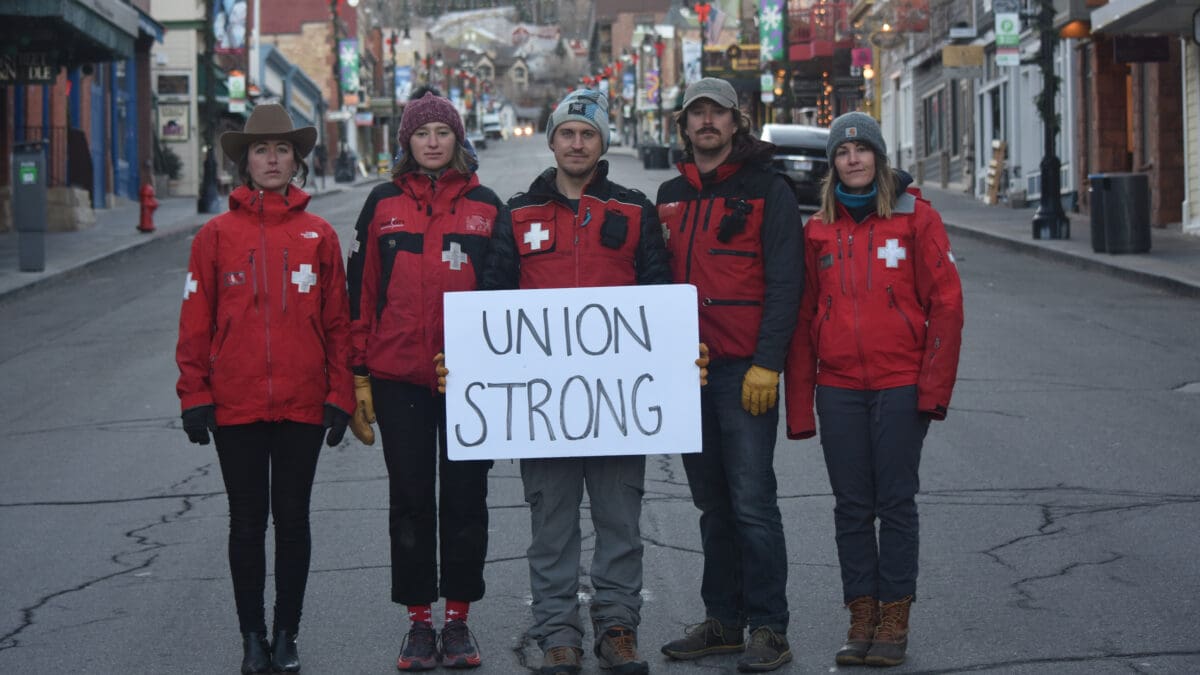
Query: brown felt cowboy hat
(268, 121)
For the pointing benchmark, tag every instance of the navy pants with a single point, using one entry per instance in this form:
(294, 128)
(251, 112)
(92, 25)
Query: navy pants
(872, 443)
(733, 484)
(412, 423)
(268, 467)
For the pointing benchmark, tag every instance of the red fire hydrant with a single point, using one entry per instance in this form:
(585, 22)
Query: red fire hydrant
(149, 204)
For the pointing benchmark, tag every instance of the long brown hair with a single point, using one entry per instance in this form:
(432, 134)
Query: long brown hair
(460, 162)
(885, 191)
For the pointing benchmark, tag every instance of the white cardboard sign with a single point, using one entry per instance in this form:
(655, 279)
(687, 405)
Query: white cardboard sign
(572, 372)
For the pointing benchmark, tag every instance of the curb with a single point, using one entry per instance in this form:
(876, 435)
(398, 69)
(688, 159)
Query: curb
(1170, 284)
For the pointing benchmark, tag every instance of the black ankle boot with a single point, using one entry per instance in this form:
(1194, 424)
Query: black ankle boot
(255, 653)
(284, 657)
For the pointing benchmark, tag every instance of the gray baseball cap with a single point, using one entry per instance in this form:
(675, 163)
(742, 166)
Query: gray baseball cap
(717, 91)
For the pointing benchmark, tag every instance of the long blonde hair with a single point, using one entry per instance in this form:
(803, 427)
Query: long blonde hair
(885, 191)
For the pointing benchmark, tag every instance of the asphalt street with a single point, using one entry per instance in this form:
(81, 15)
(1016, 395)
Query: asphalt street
(1059, 498)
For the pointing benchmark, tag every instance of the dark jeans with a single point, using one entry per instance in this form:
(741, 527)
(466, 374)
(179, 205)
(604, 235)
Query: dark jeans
(269, 467)
(733, 485)
(872, 442)
(412, 423)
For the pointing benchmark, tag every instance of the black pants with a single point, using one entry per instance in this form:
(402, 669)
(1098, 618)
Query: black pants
(269, 467)
(412, 423)
(872, 442)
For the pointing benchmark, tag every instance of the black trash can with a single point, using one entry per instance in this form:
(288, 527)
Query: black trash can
(1120, 219)
(657, 157)
(676, 155)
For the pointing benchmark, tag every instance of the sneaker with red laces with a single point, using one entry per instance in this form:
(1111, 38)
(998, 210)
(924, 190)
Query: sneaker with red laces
(458, 647)
(419, 650)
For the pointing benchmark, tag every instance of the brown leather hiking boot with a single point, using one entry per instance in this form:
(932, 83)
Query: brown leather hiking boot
(617, 652)
(891, 637)
(864, 617)
(561, 660)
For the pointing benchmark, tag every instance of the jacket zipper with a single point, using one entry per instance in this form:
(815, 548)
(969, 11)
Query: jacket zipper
(892, 303)
(262, 230)
(841, 267)
(254, 279)
(870, 247)
(736, 303)
(285, 280)
(687, 274)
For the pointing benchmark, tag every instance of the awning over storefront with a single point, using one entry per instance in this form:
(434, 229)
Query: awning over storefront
(70, 32)
(1168, 17)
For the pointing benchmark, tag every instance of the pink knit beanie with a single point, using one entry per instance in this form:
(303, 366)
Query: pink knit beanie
(429, 108)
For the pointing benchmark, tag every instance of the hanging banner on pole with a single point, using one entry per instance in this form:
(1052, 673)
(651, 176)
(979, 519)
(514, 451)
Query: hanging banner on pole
(770, 30)
(691, 60)
(348, 65)
(403, 84)
(1008, 32)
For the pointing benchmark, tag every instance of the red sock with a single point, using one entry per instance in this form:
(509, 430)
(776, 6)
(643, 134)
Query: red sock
(457, 610)
(420, 614)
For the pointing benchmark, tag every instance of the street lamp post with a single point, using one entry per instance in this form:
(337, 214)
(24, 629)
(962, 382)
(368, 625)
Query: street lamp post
(1049, 222)
(662, 122)
(343, 168)
(209, 199)
(392, 93)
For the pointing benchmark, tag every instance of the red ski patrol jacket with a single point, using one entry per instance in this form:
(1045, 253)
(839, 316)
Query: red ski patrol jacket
(416, 239)
(736, 234)
(882, 308)
(612, 239)
(264, 332)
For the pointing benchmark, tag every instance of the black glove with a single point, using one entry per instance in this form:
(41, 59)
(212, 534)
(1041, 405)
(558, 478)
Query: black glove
(198, 421)
(336, 420)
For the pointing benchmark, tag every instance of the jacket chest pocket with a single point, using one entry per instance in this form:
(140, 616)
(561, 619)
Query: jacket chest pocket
(301, 272)
(534, 231)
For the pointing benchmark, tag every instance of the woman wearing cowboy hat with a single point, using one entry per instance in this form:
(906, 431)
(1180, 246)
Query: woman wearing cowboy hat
(264, 337)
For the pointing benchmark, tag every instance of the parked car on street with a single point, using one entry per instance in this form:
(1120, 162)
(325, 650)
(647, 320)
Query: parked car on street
(614, 136)
(800, 153)
(477, 139)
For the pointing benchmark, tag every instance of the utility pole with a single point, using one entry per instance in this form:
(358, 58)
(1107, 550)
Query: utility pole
(1049, 222)
(209, 198)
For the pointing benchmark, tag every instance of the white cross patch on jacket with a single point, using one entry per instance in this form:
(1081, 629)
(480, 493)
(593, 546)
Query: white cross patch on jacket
(304, 278)
(455, 256)
(892, 252)
(535, 236)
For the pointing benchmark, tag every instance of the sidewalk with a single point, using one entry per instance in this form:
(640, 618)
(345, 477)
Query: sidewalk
(1172, 264)
(115, 232)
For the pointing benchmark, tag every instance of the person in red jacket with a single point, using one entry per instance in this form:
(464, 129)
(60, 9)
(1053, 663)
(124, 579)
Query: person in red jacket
(424, 233)
(263, 355)
(734, 231)
(878, 339)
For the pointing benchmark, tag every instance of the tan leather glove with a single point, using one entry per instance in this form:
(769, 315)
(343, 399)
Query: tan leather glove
(439, 367)
(760, 388)
(702, 362)
(364, 411)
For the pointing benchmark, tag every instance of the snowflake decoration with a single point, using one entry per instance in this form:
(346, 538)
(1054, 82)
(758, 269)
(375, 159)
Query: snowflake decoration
(771, 18)
(768, 49)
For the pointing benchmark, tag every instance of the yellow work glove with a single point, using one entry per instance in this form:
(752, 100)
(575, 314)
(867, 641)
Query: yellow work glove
(702, 362)
(759, 390)
(364, 411)
(439, 367)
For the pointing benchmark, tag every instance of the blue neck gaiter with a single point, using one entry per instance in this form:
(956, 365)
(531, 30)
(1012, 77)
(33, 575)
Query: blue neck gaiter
(855, 201)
